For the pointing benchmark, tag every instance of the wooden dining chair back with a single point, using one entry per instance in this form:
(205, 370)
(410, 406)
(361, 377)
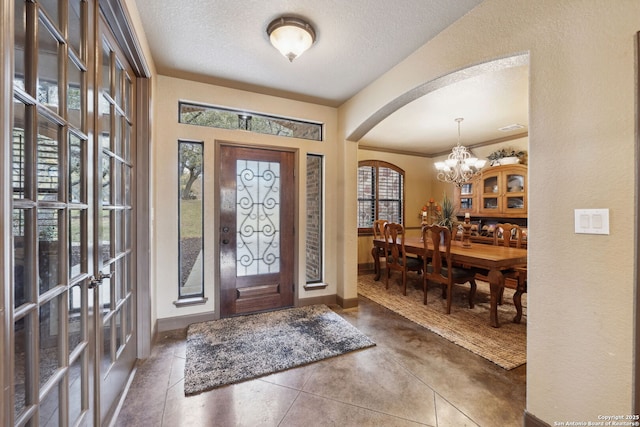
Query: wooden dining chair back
(439, 267)
(378, 253)
(511, 235)
(378, 228)
(396, 255)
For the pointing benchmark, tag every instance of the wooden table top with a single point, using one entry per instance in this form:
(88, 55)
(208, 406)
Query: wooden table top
(478, 255)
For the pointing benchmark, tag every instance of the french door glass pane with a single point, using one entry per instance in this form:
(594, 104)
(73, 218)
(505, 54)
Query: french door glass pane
(118, 83)
(49, 408)
(76, 168)
(21, 375)
(106, 69)
(119, 241)
(49, 339)
(48, 248)
(126, 176)
(117, 134)
(104, 122)
(106, 344)
(128, 96)
(127, 230)
(18, 153)
(48, 64)
(106, 180)
(77, 243)
(117, 182)
(105, 235)
(117, 281)
(19, 43)
(22, 253)
(75, 390)
(48, 163)
(119, 320)
(126, 142)
(74, 94)
(128, 309)
(74, 29)
(105, 295)
(52, 8)
(76, 332)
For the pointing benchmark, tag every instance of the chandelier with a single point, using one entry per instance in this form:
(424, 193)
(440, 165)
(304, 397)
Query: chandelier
(460, 166)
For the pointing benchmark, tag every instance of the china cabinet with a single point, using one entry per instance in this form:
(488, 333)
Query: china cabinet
(498, 192)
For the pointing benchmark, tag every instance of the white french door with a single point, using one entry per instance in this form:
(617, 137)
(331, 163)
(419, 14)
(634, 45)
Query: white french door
(70, 312)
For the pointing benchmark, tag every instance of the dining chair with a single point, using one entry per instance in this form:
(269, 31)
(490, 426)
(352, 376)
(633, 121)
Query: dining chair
(396, 255)
(378, 228)
(378, 233)
(439, 268)
(509, 235)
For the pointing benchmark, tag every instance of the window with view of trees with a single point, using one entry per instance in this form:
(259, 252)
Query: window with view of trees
(191, 210)
(380, 193)
(217, 117)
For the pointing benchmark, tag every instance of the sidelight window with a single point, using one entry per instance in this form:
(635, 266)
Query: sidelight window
(314, 218)
(191, 217)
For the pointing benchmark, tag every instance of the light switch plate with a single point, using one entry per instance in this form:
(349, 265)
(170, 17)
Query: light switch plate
(592, 221)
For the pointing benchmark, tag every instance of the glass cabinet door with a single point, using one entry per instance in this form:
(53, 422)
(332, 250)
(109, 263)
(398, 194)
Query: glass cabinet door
(491, 193)
(466, 197)
(514, 192)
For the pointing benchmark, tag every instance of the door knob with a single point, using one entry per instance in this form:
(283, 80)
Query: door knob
(97, 280)
(225, 241)
(225, 229)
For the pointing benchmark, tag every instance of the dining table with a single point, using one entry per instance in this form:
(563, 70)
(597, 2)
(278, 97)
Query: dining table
(496, 260)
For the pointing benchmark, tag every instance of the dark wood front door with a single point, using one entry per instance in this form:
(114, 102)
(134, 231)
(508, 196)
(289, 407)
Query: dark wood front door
(257, 204)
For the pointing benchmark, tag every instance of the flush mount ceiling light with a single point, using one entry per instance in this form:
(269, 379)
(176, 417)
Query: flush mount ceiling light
(291, 36)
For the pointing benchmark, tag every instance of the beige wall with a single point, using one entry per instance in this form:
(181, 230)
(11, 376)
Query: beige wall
(580, 351)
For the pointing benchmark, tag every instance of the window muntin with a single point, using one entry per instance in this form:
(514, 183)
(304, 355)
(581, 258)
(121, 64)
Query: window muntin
(380, 193)
(224, 118)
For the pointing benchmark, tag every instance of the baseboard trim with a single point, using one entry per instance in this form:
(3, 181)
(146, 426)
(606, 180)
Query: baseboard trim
(347, 303)
(532, 421)
(182, 322)
(324, 299)
(366, 268)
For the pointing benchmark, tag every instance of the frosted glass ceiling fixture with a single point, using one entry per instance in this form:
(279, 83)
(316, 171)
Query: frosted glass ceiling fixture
(291, 36)
(460, 166)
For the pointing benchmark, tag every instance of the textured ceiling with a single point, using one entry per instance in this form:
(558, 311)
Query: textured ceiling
(224, 42)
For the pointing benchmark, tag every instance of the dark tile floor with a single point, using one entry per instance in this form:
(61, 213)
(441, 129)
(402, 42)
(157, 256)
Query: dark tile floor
(412, 377)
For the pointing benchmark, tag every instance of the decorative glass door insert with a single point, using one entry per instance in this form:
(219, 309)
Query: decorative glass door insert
(258, 217)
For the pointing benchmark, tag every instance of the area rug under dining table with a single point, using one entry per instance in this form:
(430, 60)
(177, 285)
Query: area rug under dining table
(505, 346)
(235, 349)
